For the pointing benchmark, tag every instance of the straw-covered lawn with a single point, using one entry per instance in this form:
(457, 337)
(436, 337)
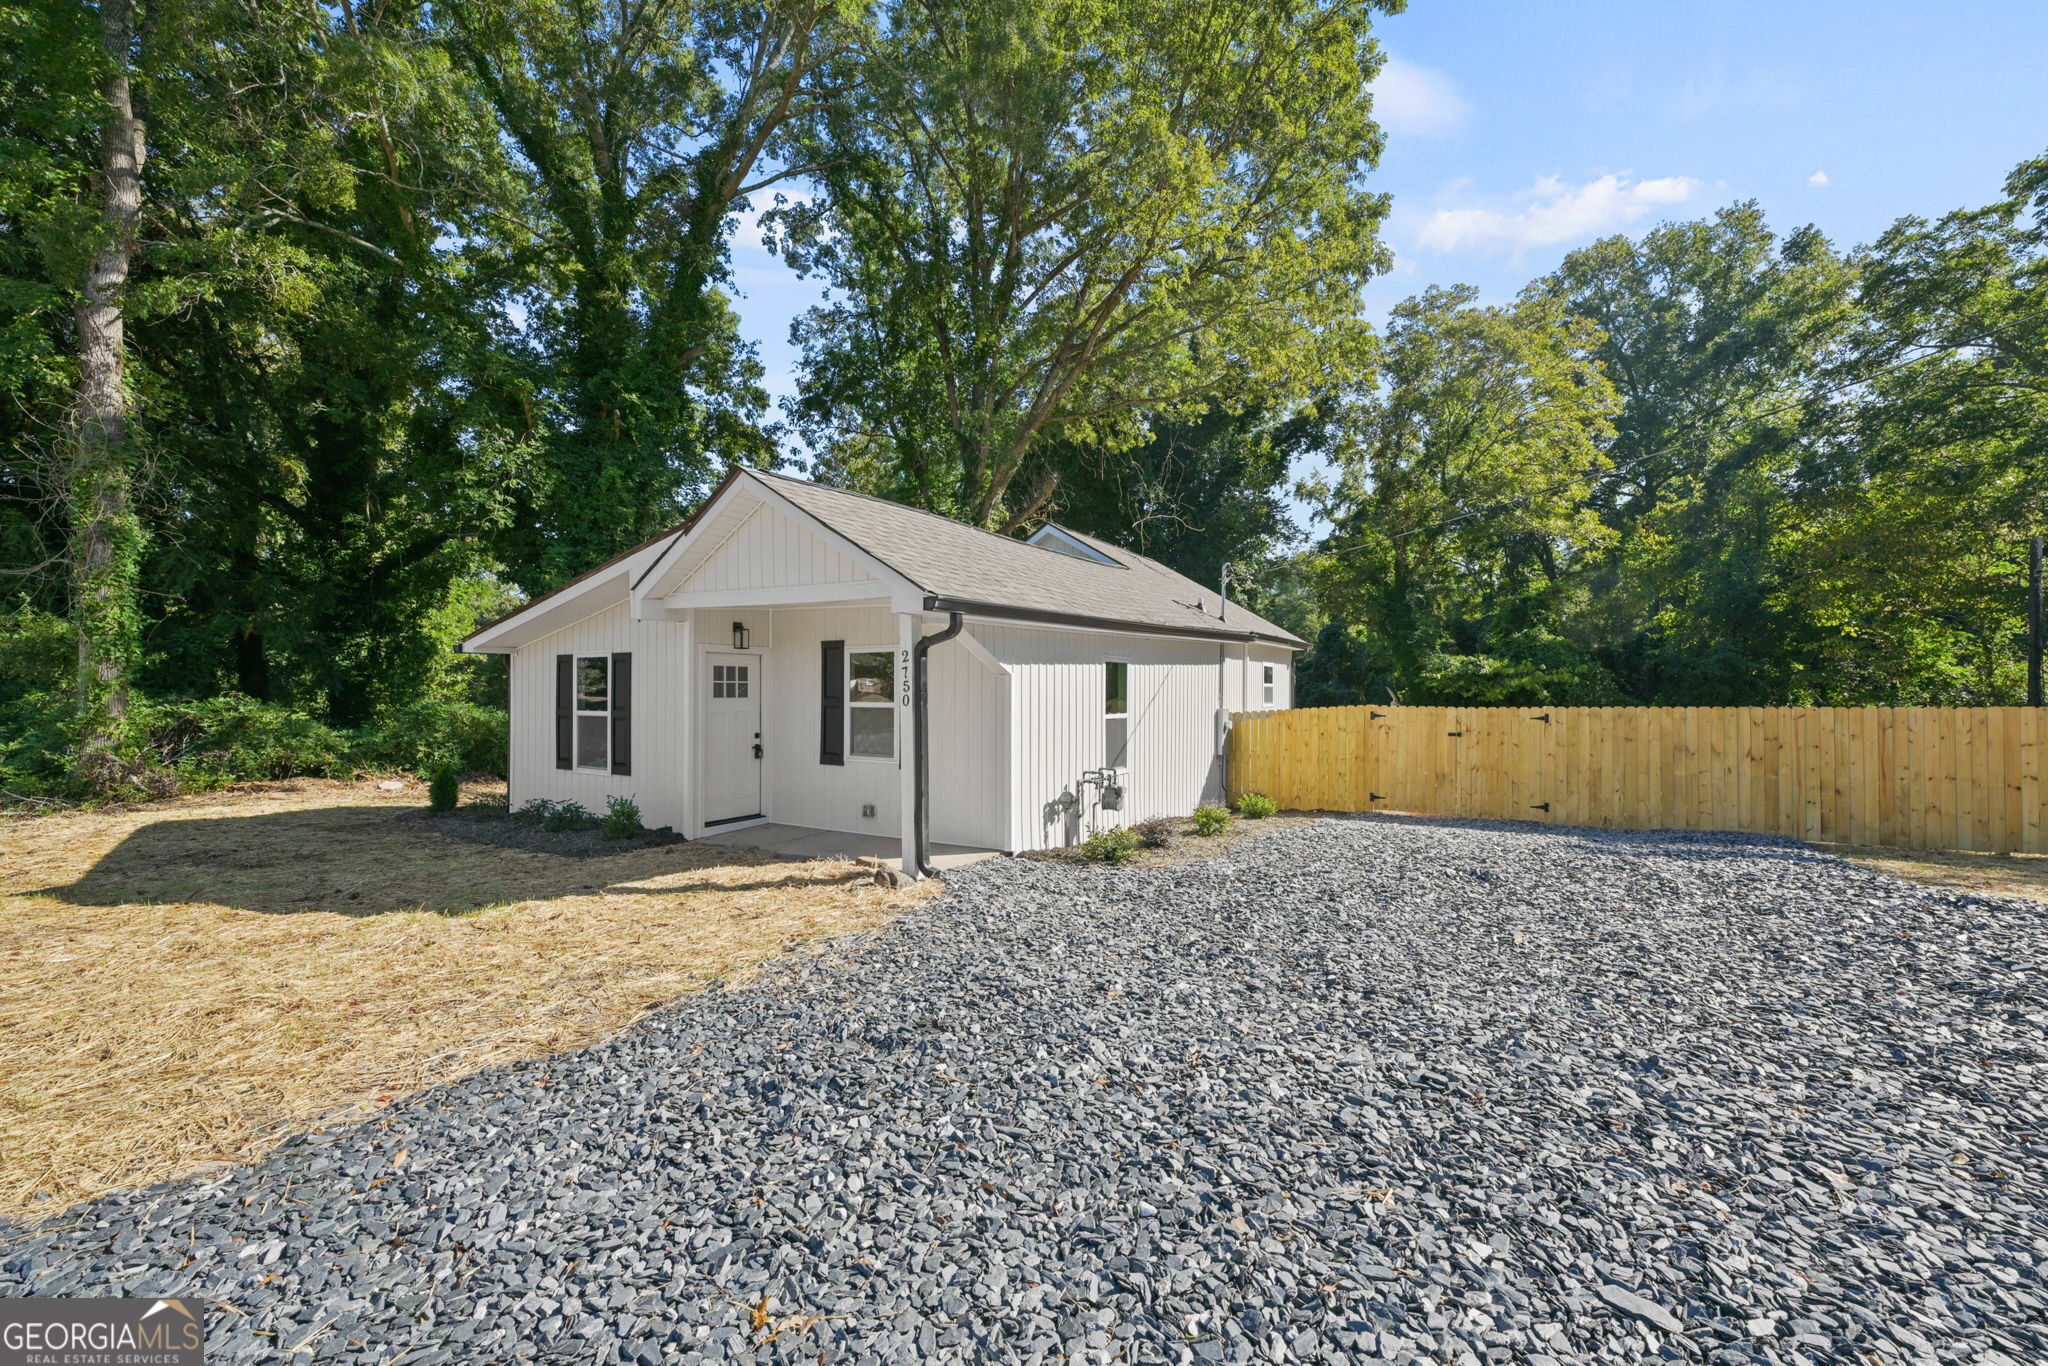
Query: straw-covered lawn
(189, 982)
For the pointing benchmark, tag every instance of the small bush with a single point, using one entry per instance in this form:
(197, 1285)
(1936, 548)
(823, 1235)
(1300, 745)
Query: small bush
(1256, 806)
(568, 816)
(1210, 820)
(1118, 844)
(557, 816)
(621, 818)
(442, 789)
(1154, 832)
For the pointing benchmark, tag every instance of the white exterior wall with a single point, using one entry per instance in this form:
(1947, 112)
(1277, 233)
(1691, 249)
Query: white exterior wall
(800, 790)
(1058, 732)
(659, 781)
(1243, 685)
(967, 727)
(768, 550)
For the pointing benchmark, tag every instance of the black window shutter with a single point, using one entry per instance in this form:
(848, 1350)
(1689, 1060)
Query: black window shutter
(832, 715)
(622, 713)
(565, 713)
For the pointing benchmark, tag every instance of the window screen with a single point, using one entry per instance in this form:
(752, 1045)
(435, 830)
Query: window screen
(1269, 685)
(1116, 711)
(593, 711)
(871, 704)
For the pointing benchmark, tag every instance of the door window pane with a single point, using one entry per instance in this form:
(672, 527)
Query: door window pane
(729, 680)
(874, 732)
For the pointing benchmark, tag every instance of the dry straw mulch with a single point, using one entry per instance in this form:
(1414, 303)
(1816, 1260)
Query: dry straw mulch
(2019, 875)
(187, 983)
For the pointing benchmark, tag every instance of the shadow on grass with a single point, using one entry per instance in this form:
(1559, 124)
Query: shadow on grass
(374, 860)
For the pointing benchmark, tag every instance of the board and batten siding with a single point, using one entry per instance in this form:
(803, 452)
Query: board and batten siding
(768, 550)
(967, 727)
(1243, 681)
(659, 780)
(1057, 730)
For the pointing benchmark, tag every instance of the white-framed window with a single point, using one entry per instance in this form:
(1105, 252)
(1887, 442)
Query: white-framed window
(729, 680)
(871, 704)
(1116, 712)
(594, 712)
(1268, 685)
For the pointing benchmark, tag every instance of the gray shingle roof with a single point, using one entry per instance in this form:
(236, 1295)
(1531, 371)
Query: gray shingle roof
(964, 566)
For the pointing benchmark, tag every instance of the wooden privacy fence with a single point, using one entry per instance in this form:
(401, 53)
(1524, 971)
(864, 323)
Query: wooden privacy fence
(1917, 777)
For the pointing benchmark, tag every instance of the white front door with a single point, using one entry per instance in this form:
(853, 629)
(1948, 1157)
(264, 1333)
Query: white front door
(732, 737)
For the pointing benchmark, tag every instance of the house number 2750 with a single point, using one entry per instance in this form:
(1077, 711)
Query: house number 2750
(903, 679)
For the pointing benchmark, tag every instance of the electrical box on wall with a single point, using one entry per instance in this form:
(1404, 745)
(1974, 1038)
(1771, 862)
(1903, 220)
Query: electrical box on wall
(867, 810)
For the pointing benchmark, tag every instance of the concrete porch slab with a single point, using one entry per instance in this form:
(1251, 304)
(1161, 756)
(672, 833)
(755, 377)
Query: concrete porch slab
(804, 842)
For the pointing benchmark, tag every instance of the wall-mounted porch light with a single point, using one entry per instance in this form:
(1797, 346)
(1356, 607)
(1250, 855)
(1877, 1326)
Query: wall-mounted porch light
(740, 635)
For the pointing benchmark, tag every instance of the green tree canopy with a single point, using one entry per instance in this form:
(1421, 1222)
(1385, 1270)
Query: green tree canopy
(1464, 475)
(1058, 223)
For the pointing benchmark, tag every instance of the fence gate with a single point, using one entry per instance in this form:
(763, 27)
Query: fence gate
(1921, 777)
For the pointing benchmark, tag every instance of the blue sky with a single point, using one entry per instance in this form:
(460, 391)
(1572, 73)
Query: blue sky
(1518, 130)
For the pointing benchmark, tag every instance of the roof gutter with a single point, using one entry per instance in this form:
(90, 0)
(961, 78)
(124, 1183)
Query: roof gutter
(1004, 612)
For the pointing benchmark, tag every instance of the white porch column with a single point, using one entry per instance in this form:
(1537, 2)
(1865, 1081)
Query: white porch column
(909, 625)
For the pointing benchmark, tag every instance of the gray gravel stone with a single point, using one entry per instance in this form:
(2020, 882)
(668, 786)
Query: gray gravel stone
(1371, 1089)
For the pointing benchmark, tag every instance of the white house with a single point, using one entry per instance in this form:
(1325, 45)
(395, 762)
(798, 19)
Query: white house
(761, 662)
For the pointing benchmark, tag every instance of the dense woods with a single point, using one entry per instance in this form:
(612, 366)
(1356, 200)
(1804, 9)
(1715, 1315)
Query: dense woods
(328, 331)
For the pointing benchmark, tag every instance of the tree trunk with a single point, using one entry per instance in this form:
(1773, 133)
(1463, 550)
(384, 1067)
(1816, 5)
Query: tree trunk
(106, 534)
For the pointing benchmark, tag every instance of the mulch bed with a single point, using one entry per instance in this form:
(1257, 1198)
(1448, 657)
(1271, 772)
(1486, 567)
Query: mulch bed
(493, 825)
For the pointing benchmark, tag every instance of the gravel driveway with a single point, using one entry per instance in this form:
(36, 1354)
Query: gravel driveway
(1420, 1091)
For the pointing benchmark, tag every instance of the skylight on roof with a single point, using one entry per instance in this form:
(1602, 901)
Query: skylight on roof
(1066, 543)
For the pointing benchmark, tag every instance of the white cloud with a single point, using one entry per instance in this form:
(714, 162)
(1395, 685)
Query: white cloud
(1818, 178)
(1552, 211)
(1416, 101)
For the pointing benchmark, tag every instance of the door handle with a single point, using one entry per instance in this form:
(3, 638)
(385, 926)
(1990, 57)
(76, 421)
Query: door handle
(757, 749)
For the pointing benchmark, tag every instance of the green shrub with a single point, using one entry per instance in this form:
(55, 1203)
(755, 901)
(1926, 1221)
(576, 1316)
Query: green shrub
(432, 731)
(442, 789)
(1256, 806)
(1154, 832)
(1118, 844)
(568, 816)
(621, 818)
(37, 657)
(556, 816)
(1210, 820)
(232, 738)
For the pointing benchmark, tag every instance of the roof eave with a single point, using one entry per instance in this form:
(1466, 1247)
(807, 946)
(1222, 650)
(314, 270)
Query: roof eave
(1029, 615)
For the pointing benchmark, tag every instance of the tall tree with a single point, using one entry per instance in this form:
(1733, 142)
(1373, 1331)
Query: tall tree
(106, 542)
(639, 129)
(334, 393)
(1928, 468)
(1197, 492)
(1715, 334)
(1464, 479)
(1056, 223)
